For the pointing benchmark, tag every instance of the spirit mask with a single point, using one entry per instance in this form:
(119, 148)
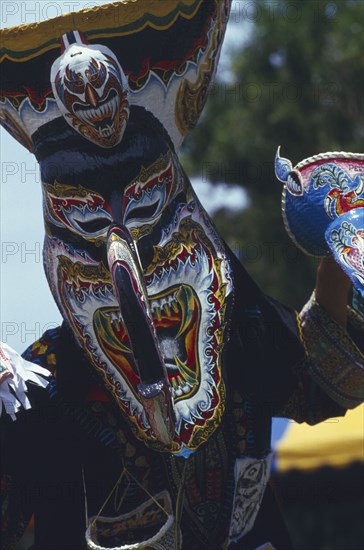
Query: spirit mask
(132, 259)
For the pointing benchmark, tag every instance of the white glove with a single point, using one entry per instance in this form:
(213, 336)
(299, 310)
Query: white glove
(14, 373)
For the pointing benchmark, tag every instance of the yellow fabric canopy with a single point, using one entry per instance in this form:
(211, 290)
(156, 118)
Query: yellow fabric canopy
(335, 442)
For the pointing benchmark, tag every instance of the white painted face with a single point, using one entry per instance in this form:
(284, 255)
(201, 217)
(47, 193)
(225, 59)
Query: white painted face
(187, 279)
(91, 91)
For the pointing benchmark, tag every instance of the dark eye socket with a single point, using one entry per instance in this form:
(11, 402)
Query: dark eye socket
(94, 226)
(142, 212)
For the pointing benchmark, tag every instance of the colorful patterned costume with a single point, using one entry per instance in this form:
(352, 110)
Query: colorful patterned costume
(170, 362)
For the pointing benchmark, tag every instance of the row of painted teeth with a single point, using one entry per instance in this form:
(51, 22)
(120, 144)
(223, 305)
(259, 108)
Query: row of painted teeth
(114, 316)
(75, 288)
(167, 305)
(115, 319)
(180, 387)
(106, 131)
(110, 108)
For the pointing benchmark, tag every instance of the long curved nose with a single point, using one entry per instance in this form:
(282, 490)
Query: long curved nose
(129, 286)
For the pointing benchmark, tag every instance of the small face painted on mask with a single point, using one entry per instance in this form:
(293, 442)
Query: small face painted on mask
(92, 93)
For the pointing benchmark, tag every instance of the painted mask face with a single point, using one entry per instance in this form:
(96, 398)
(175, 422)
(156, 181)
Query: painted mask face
(91, 91)
(185, 274)
(132, 259)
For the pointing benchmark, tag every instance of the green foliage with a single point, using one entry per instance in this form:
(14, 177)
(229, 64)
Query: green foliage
(298, 83)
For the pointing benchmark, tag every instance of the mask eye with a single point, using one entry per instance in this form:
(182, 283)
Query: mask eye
(142, 212)
(96, 225)
(76, 85)
(96, 74)
(80, 210)
(73, 80)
